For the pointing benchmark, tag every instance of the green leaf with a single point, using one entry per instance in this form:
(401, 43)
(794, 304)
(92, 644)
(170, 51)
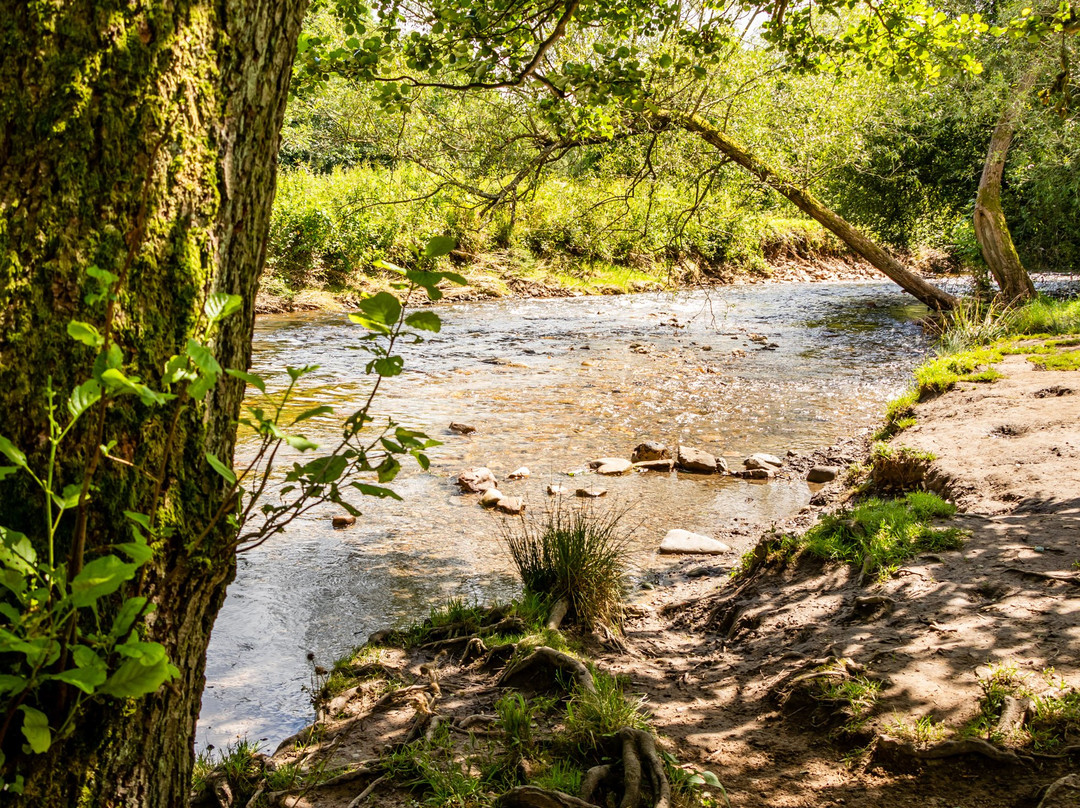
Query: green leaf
(16, 552)
(388, 469)
(250, 378)
(203, 359)
(221, 468)
(12, 452)
(388, 365)
(86, 679)
(439, 246)
(382, 310)
(140, 519)
(84, 397)
(99, 578)
(127, 615)
(35, 729)
(7, 471)
(300, 442)
(85, 333)
(12, 684)
(424, 320)
(138, 552)
(177, 370)
(220, 305)
(136, 678)
(710, 778)
(369, 490)
(200, 387)
(323, 410)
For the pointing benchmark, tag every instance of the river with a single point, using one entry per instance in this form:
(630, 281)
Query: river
(549, 384)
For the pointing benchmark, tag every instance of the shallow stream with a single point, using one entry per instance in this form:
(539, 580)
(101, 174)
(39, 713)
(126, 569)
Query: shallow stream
(549, 384)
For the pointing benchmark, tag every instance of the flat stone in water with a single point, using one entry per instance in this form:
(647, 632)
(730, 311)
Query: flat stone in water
(590, 493)
(603, 461)
(683, 541)
(822, 474)
(615, 467)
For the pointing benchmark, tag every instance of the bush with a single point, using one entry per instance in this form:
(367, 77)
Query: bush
(575, 554)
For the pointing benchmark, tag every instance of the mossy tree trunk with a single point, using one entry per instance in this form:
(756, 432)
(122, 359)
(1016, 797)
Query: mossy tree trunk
(139, 137)
(857, 241)
(991, 229)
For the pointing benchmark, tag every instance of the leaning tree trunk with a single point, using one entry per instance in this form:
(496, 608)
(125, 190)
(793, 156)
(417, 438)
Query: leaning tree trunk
(929, 294)
(991, 229)
(140, 138)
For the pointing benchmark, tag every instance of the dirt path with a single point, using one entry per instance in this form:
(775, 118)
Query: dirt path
(1009, 452)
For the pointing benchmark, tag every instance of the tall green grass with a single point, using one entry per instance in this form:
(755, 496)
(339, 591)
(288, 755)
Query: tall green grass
(574, 553)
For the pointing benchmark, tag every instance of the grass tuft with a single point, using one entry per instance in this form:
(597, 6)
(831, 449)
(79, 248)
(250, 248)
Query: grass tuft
(880, 535)
(574, 553)
(590, 717)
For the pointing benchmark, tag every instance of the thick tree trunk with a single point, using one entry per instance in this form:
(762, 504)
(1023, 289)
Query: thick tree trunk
(991, 229)
(859, 243)
(140, 138)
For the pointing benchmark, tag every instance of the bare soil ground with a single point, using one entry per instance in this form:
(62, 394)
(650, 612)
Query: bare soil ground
(719, 659)
(1009, 454)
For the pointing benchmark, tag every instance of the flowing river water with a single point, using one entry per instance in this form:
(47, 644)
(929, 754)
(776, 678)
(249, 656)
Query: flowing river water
(549, 384)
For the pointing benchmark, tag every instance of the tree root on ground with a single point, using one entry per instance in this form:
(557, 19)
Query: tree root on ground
(1014, 714)
(1062, 793)
(558, 614)
(1067, 577)
(781, 687)
(544, 659)
(888, 747)
(644, 781)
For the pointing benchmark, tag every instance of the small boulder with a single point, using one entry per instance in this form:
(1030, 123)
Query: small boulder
(342, 521)
(696, 460)
(615, 467)
(763, 461)
(510, 505)
(476, 480)
(491, 497)
(822, 474)
(603, 461)
(656, 465)
(518, 474)
(590, 493)
(758, 474)
(557, 490)
(650, 450)
(462, 429)
(683, 541)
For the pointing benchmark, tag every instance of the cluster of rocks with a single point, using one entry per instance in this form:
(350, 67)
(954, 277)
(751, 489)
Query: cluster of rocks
(481, 481)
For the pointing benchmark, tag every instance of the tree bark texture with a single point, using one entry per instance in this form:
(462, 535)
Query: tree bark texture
(139, 137)
(859, 243)
(991, 229)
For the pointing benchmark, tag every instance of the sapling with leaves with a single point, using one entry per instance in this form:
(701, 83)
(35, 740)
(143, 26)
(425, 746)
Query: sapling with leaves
(74, 604)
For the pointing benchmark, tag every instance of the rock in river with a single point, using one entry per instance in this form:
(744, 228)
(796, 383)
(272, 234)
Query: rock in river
(656, 465)
(696, 460)
(590, 493)
(462, 429)
(615, 467)
(603, 461)
(763, 461)
(491, 497)
(518, 474)
(650, 450)
(343, 521)
(683, 541)
(822, 474)
(557, 490)
(476, 480)
(510, 505)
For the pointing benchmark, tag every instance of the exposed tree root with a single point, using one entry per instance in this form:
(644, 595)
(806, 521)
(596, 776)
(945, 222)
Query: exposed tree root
(805, 671)
(558, 613)
(363, 795)
(535, 797)
(594, 778)
(1014, 714)
(1067, 577)
(893, 747)
(542, 660)
(1061, 793)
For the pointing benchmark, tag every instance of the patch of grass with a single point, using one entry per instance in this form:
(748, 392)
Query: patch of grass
(562, 776)
(880, 535)
(941, 374)
(857, 695)
(1055, 719)
(446, 776)
(974, 323)
(1047, 316)
(923, 732)
(574, 553)
(241, 765)
(898, 469)
(1066, 357)
(899, 415)
(516, 720)
(590, 717)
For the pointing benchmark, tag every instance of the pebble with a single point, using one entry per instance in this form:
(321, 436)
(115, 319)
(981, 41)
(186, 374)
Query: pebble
(590, 493)
(462, 429)
(683, 541)
(518, 474)
(343, 521)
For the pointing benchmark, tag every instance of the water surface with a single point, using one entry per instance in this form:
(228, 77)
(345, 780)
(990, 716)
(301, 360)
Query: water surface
(550, 384)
